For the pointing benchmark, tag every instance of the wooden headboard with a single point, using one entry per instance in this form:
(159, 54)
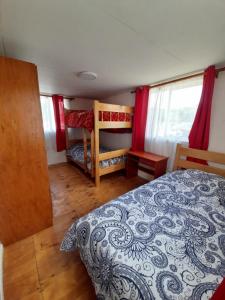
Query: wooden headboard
(215, 157)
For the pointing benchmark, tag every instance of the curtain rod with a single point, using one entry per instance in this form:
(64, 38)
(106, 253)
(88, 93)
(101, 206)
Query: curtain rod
(64, 96)
(154, 85)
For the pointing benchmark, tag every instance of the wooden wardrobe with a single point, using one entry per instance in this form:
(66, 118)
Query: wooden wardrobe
(25, 202)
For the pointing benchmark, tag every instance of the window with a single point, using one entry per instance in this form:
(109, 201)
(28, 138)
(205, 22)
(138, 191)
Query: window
(171, 112)
(48, 123)
(47, 115)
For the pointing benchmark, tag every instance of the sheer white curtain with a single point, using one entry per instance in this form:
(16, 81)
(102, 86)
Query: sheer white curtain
(48, 123)
(171, 113)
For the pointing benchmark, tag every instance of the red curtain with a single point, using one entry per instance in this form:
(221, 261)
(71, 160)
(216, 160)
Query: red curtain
(59, 122)
(220, 291)
(140, 117)
(199, 134)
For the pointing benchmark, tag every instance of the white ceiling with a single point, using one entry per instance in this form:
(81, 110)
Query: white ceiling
(127, 42)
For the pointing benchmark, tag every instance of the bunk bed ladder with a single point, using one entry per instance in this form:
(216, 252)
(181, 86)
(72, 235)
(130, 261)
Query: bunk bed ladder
(92, 154)
(85, 149)
(66, 130)
(96, 143)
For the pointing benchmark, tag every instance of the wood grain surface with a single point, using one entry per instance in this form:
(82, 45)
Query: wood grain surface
(25, 206)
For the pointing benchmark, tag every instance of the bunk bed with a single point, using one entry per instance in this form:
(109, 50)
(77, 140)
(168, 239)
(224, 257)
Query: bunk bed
(87, 153)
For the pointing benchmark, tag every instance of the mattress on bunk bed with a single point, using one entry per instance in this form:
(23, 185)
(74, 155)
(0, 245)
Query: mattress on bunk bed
(163, 240)
(85, 119)
(76, 153)
(80, 119)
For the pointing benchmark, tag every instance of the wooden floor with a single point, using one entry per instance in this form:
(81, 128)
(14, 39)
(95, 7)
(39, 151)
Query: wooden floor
(34, 268)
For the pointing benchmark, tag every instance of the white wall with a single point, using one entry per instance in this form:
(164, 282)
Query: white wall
(118, 140)
(54, 157)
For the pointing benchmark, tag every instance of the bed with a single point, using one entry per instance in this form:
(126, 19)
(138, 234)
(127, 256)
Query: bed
(163, 240)
(76, 154)
(104, 117)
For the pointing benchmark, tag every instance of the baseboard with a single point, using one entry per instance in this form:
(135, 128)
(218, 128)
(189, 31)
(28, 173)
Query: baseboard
(58, 164)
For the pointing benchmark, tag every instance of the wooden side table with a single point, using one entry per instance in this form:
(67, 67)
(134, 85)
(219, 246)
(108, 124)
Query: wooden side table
(157, 163)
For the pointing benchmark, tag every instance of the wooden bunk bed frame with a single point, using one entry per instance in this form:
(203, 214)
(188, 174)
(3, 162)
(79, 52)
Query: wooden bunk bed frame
(96, 156)
(98, 125)
(85, 141)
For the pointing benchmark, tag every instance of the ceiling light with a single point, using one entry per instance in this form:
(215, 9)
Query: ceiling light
(86, 75)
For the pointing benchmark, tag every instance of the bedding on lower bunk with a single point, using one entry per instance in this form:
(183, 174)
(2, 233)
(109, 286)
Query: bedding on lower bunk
(163, 240)
(76, 153)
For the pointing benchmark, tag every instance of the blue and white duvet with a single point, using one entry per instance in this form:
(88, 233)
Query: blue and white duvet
(163, 240)
(76, 153)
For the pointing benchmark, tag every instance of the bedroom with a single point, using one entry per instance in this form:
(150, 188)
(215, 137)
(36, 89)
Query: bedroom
(134, 50)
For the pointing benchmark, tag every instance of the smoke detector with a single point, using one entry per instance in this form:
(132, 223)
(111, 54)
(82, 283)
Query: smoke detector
(86, 75)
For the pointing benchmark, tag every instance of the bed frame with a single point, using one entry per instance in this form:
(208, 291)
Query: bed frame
(210, 156)
(86, 142)
(98, 106)
(96, 157)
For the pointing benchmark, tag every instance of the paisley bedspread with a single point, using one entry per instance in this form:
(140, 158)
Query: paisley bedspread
(163, 240)
(76, 153)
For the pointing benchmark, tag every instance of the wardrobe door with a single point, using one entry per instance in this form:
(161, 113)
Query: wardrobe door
(25, 203)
